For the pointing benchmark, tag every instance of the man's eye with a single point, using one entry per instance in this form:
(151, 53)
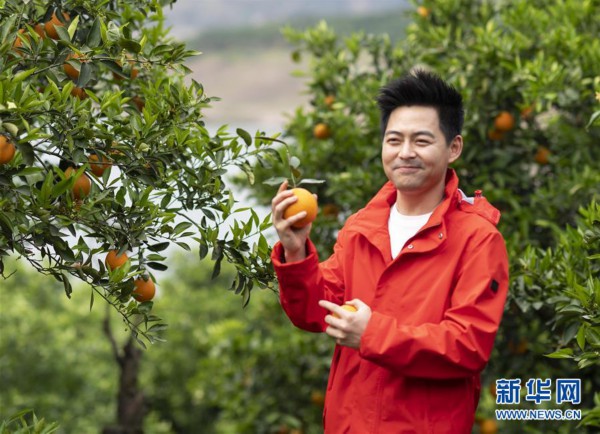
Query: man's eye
(423, 142)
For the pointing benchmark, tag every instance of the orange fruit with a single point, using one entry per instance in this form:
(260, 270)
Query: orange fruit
(504, 122)
(488, 426)
(82, 185)
(518, 348)
(79, 92)
(542, 156)
(306, 202)
(321, 131)
(139, 102)
(331, 210)
(39, 29)
(134, 72)
(114, 261)
(527, 111)
(54, 22)
(347, 307)
(99, 165)
(18, 42)
(317, 398)
(7, 149)
(329, 100)
(70, 70)
(144, 289)
(423, 11)
(495, 135)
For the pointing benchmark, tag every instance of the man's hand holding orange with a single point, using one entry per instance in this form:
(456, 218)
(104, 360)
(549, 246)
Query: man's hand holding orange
(292, 237)
(347, 327)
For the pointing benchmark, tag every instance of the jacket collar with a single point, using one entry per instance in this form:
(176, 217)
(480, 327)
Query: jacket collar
(372, 221)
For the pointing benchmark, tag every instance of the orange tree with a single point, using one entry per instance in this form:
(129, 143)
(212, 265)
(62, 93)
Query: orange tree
(112, 153)
(530, 146)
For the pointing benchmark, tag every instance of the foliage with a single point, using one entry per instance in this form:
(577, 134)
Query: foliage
(504, 57)
(568, 277)
(37, 426)
(112, 83)
(54, 357)
(222, 368)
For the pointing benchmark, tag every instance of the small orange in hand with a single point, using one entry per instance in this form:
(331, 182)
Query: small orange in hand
(144, 289)
(347, 307)
(322, 131)
(7, 149)
(306, 202)
(504, 122)
(82, 185)
(114, 261)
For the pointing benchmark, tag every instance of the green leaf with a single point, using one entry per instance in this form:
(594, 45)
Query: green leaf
(63, 33)
(73, 27)
(27, 152)
(157, 266)
(159, 247)
(581, 337)
(130, 45)
(275, 181)
(564, 353)
(595, 116)
(311, 181)
(249, 173)
(217, 268)
(20, 76)
(203, 251)
(294, 162)
(85, 74)
(26, 171)
(592, 335)
(94, 37)
(245, 136)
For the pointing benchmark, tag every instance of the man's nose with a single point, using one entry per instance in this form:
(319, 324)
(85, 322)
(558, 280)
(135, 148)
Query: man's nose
(406, 150)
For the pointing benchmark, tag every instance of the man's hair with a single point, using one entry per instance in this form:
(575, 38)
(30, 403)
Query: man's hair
(422, 88)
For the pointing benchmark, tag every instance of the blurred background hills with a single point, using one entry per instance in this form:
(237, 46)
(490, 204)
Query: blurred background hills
(247, 62)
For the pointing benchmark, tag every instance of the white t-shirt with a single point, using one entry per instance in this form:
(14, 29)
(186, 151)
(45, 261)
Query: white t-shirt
(402, 227)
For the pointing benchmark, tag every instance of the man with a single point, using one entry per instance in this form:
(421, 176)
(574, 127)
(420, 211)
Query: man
(424, 266)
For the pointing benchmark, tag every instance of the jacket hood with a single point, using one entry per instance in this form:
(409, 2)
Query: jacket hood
(478, 205)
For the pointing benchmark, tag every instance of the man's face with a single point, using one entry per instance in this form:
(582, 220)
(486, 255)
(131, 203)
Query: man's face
(415, 153)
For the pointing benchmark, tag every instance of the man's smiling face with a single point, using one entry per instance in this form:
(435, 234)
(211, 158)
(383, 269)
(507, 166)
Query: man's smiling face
(415, 153)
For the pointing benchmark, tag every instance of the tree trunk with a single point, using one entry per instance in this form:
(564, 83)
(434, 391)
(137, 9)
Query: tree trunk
(131, 407)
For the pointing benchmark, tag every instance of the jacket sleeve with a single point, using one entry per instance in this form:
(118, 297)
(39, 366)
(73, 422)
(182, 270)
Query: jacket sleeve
(302, 284)
(459, 345)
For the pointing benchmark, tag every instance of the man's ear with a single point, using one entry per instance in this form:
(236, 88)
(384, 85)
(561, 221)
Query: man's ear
(455, 147)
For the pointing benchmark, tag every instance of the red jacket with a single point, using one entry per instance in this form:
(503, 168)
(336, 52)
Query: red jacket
(436, 308)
